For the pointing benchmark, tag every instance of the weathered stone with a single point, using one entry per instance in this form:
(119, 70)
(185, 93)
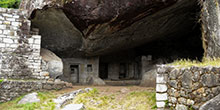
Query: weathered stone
(173, 100)
(160, 104)
(174, 74)
(187, 79)
(54, 63)
(212, 104)
(190, 102)
(64, 99)
(181, 107)
(182, 100)
(196, 76)
(161, 78)
(173, 83)
(209, 80)
(30, 98)
(149, 78)
(95, 81)
(161, 88)
(161, 96)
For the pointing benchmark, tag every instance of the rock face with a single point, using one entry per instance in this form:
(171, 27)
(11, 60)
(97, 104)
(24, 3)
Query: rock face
(106, 26)
(210, 18)
(213, 104)
(53, 63)
(30, 98)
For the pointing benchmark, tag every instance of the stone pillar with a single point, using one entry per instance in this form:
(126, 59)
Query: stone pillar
(210, 16)
(113, 71)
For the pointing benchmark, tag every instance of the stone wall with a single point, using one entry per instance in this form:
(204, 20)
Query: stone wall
(21, 65)
(83, 70)
(19, 47)
(183, 88)
(10, 89)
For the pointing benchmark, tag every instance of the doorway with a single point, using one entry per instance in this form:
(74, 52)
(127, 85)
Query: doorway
(74, 72)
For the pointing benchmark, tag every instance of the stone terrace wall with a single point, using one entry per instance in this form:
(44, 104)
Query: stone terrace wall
(184, 88)
(19, 49)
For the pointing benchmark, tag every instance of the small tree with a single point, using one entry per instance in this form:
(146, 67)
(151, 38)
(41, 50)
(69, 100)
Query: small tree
(9, 3)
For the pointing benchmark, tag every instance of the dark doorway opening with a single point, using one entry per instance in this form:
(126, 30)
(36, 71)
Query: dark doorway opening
(74, 72)
(103, 70)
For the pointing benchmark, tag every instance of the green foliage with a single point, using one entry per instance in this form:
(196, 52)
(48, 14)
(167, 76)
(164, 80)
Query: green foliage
(1, 80)
(94, 100)
(10, 3)
(46, 103)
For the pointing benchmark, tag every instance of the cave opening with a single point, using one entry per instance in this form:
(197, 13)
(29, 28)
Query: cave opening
(176, 34)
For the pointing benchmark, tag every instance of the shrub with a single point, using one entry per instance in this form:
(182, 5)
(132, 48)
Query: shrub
(9, 3)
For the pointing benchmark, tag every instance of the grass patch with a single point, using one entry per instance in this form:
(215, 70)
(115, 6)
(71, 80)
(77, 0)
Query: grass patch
(190, 63)
(93, 100)
(46, 103)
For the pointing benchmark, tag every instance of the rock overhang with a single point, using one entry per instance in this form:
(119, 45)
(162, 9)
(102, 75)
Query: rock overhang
(110, 26)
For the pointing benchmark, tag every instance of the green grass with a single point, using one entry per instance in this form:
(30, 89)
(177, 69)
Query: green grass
(46, 103)
(93, 100)
(189, 63)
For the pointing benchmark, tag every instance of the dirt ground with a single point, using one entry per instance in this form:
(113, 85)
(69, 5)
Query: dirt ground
(105, 90)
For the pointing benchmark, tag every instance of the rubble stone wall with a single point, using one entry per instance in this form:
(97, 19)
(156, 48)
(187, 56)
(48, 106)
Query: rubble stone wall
(11, 89)
(184, 88)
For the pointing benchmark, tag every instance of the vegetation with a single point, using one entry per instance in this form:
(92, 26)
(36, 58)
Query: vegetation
(46, 103)
(93, 100)
(1, 80)
(10, 3)
(189, 63)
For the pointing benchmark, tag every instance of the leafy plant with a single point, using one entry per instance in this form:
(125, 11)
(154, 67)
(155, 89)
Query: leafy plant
(10, 3)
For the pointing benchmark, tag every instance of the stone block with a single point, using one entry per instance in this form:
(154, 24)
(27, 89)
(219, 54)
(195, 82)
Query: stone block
(181, 107)
(16, 24)
(36, 36)
(209, 80)
(2, 26)
(161, 96)
(187, 79)
(174, 74)
(161, 78)
(10, 19)
(161, 88)
(7, 40)
(37, 41)
(7, 15)
(160, 104)
(182, 100)
(173, 83)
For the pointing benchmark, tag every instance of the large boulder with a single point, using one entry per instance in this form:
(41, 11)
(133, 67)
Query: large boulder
(54, 64)
(149, 78)
(96, 81)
